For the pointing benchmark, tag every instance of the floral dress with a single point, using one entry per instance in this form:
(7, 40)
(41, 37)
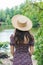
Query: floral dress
(21, 55)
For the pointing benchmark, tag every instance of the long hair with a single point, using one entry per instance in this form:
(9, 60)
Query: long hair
(19, 36)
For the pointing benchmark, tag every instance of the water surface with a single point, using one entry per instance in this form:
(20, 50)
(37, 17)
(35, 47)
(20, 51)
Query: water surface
(5, 35)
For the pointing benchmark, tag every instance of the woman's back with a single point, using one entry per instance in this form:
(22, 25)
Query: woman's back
(21, 55)
(22, 40)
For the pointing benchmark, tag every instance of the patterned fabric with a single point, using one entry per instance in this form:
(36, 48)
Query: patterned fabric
(21, 55)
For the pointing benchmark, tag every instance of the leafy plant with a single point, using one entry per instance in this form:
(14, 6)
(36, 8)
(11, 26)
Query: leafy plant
(1, 62)
(3, 44)
(39, 47)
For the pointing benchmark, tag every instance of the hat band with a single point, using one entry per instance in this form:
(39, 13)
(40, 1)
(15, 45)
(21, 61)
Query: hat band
(22, 24)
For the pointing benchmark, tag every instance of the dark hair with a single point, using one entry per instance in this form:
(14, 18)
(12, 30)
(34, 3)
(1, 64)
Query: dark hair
(19, 36)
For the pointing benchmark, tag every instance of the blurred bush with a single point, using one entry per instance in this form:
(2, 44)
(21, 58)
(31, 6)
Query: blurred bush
(4, 44)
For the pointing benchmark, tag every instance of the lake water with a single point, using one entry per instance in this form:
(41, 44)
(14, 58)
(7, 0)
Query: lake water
(5, 35)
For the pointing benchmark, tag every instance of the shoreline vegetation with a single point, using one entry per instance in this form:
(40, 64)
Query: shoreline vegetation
(4, 27)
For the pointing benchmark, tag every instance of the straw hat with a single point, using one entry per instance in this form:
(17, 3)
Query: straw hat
(21, 22)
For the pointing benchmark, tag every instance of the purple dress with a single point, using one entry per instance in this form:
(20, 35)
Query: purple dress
(21, 55)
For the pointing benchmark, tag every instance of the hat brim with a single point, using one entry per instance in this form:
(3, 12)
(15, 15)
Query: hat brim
(15, 25)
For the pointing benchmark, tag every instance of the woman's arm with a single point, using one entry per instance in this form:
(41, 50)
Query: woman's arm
(31, 50)
(12, 49)
(12, 44)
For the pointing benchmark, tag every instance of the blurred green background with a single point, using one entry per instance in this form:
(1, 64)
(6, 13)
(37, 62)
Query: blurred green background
(34, 11)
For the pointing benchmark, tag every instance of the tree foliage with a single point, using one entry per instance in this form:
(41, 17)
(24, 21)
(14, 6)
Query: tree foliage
(39, 37)
(28, 9)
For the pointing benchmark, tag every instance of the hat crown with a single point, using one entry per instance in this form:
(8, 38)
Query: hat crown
(21, 23)
(22, 20)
